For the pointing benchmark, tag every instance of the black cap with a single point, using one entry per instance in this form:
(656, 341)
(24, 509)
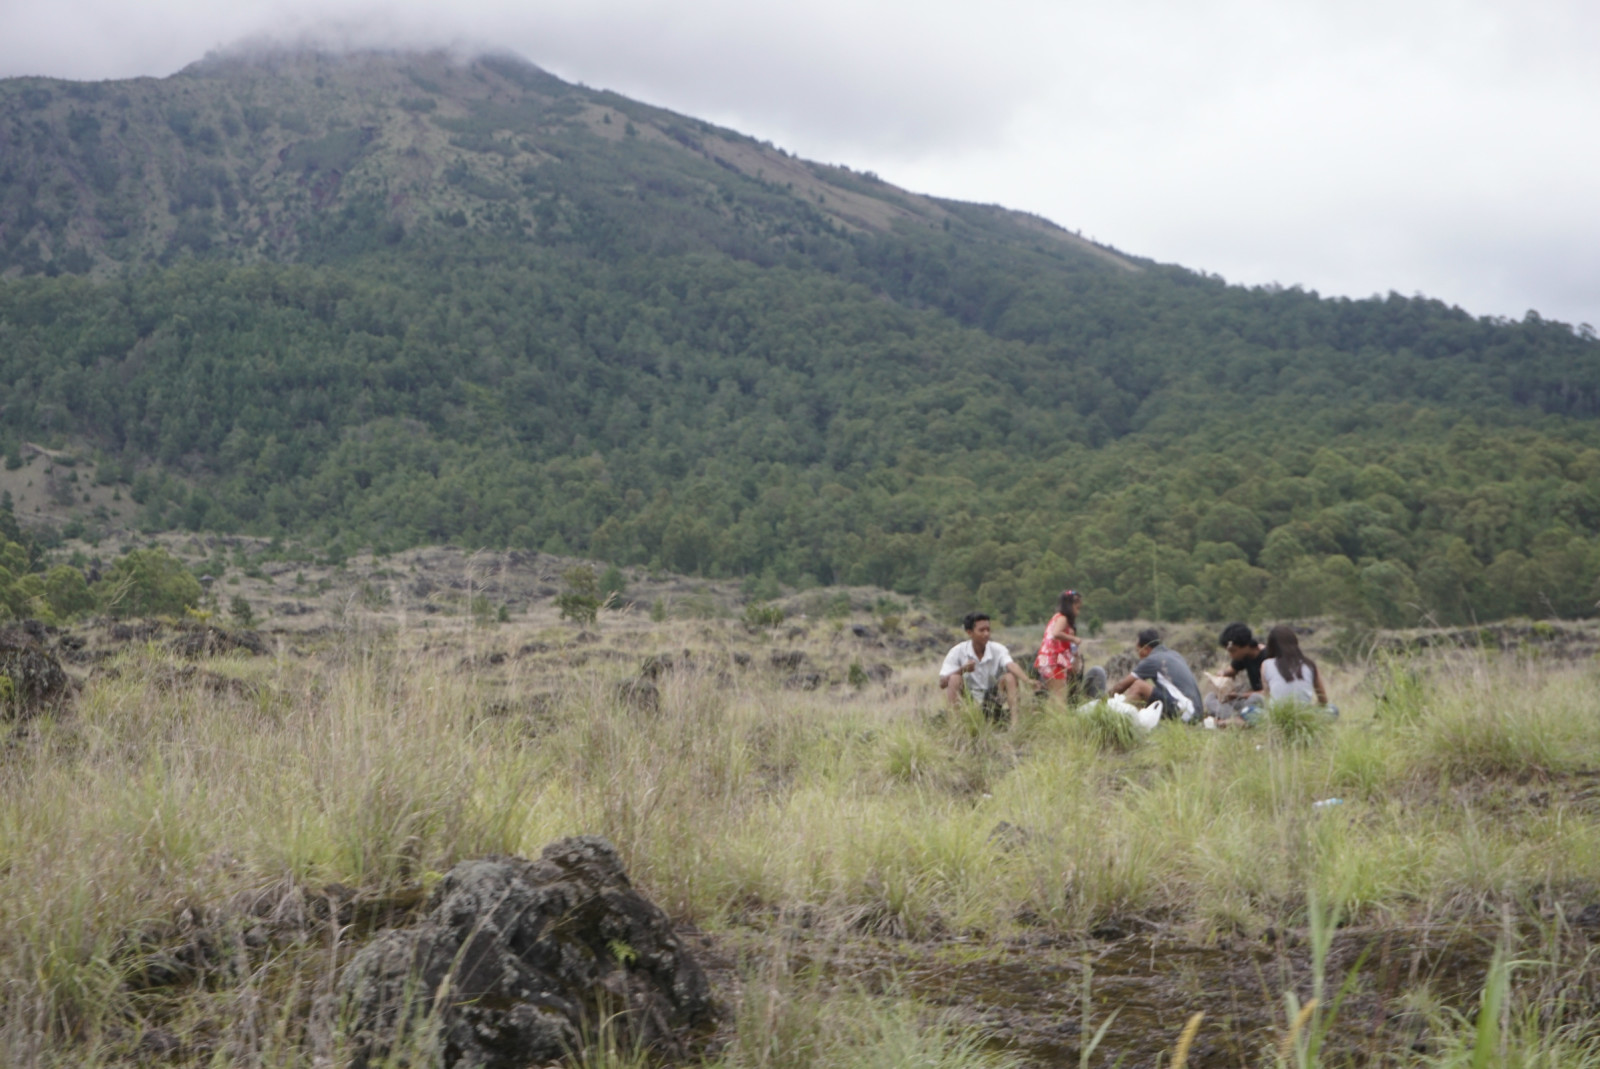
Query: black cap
(1149, 637)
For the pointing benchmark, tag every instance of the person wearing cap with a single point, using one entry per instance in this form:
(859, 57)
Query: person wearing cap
(981, 668)
(1059, 661)
(1162, 675)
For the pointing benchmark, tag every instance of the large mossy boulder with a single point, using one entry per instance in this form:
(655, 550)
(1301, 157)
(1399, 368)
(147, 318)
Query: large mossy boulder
(32, 680)
(519, 963)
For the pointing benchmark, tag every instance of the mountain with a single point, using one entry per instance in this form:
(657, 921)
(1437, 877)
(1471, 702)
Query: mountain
(284, 155)
(388, 299)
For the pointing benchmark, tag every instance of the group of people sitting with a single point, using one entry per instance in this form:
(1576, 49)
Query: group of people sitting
(985, 671)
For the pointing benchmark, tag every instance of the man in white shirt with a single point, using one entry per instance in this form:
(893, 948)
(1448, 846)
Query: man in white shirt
(981, 668)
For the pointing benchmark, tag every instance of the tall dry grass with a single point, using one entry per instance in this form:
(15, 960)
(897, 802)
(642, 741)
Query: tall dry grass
(163, 801)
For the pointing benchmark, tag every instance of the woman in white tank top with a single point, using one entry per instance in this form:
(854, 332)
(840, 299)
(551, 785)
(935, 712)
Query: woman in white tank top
(1288, 674)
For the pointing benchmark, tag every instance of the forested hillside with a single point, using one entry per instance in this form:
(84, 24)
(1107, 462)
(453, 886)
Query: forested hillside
(388, 300)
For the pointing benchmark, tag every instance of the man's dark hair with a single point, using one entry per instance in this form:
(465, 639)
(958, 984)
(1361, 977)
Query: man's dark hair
(1149, 637)
(969, 621)
(1237, 635)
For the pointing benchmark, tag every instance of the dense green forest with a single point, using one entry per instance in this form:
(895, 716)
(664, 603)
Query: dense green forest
(603, 329)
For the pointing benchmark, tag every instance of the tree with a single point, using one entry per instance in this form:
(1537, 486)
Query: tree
(580, 602)
(612, 582)
(67, 592)
(148, 582)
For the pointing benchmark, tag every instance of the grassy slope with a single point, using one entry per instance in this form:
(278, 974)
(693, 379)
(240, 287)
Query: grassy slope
(167, 804)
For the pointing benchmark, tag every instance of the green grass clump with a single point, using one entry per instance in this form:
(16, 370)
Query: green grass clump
(1109, 730)
(788, 1021)
(1294, 723)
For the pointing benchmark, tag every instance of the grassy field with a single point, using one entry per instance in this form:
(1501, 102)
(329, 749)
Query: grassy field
(188, 856)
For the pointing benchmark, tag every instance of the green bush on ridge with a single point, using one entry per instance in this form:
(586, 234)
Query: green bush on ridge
(147, 582)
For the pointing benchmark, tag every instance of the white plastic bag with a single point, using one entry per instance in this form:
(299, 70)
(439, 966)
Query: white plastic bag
(1147, 717)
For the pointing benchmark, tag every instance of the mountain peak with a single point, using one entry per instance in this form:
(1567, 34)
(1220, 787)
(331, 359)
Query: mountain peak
(269, 151)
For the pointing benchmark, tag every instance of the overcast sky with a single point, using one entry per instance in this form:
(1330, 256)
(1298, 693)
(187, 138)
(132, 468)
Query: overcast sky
(1443, 147)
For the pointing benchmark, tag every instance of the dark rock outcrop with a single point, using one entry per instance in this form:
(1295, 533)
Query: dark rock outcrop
(173, 679)
(640, 694)
(880, 672)
(31, 678)
(211, 641)
(660, 664)
(520, 961)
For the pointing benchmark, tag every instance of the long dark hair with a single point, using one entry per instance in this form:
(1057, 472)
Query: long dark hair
(1068, 607)
(1283, 645)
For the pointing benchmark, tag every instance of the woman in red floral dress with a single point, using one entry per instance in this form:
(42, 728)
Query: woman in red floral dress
(1058, 662)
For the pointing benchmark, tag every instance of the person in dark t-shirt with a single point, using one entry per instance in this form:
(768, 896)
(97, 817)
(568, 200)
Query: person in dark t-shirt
(1245, 657)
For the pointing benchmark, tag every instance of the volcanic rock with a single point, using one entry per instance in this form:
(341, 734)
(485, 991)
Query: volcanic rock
(33, 680)
(520, 961)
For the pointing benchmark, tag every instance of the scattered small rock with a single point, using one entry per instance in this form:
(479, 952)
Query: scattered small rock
(170, 679)
(640, 694)
(654, 667)
(1009, 836)
(532, 705)
(159, 1043)
(210, 641)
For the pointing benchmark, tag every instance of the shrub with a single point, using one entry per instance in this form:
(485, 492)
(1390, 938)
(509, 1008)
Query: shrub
(239, 608)
(758, 615)
(67, 592)
(148, 582)
(580, 602)
(374, 597)
(484, 612)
